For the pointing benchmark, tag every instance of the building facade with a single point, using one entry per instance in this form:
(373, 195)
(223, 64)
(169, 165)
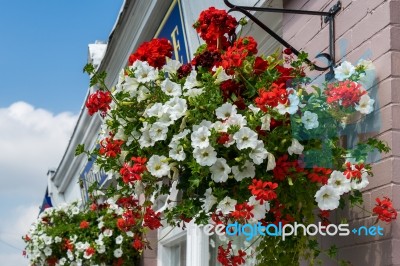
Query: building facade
(364, 30)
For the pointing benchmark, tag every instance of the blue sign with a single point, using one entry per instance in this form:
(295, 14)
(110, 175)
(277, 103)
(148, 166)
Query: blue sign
(173, 29)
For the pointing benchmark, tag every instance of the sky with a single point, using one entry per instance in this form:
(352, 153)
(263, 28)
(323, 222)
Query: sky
(43, 48)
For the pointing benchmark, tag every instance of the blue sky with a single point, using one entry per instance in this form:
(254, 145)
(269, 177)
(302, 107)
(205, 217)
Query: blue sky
(43, 48)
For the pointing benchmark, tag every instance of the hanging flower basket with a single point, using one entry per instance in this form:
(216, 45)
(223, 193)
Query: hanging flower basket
(240, 137)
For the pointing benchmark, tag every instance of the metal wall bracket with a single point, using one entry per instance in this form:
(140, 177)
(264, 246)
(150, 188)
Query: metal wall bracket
(329, 17)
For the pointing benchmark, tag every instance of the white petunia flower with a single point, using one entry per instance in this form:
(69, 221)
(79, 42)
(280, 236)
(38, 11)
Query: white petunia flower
(209, 200)
(327, 198)
(226, 205)
(339, 181)
(118, 240)
(118, 253)
(225, 111)
(176, 152)
(344, 71)
(259, 209)
(180, 135)
(245, 138)
(220, 75)
(360, 184)
(145, 140)
(206, 156)
(158, 166)
(193, 92)
(144, 72)
(172, 66)
(365, 105)
(156, 110)
(220, 170)
(191, 81)
(204, 123)
(48, 251)
(101, 249)
(290, 108)
(266, 122)
(177, 108)
(199, 137)
(295, 148)
(310, 120)
(271, 161)
(143, 94)
(171, 88)
(254, 109)
(131, 86)
(259, 153)
(158, 131)
(236, 120)
(247, 170)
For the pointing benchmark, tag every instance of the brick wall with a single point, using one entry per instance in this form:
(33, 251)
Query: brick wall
(368, 29)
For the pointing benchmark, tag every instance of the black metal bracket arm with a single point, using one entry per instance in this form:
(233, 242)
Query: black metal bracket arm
(329, 18)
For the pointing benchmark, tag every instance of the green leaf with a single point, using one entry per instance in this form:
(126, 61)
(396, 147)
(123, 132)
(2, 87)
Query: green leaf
(88, 68)
(332, 251)
(80, 149)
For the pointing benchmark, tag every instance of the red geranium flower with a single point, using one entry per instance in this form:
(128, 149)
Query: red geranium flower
(319, 175)
(347, 93)
(385, 210)
(110, 147)
(84, 224)
(264, 191)
(151, 219)
(213, 24)
(99, 101)
(154, 52)
(243, 211)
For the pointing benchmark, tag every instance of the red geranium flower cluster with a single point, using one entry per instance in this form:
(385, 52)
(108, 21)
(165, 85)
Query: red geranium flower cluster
(284, 167)
(243, 211)
(346, 93)
(319, 175)
(213, 24)
(237, 53)
(264, 191)
(128, 220)
(154, 52)
(110, 147)
(151, 219)
(277, 211)
(227, 258)
(385, 210)
(353, 170)
(84, 224)
(132, 173)
(271, 98)
(99, 101)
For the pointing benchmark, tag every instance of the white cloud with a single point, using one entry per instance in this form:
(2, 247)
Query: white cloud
(31, 141)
